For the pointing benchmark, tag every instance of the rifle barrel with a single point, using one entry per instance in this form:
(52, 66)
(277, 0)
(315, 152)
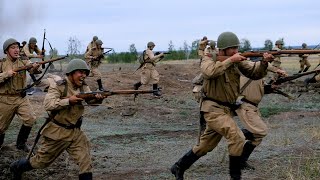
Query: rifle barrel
(41, 63)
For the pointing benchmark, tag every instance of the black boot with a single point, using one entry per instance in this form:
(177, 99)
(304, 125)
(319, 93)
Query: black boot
(306, 69)
(19, 167)
(100, 85)
(156, 90)
(247, 134)
(300, 71)
(85, 176)
(247, 150)
(22, 138)
(1, 139)
(235, 167)
(183, 164)
(137, 85)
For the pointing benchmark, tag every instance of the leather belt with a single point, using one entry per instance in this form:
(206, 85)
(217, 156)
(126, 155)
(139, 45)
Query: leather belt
(69, 126)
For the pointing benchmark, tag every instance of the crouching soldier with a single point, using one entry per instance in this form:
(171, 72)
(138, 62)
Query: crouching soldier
(13, 101)
(63, 131)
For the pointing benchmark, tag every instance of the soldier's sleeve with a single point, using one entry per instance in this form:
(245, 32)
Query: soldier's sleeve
(27, 52)
(212, 68)
(4, 76)
(272, 68)
(253, 70)
(37, 50)
(53, 100)
(88, 54)
(152, 57)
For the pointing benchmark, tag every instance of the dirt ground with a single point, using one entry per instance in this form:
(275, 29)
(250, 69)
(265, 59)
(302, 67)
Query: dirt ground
(141, 139)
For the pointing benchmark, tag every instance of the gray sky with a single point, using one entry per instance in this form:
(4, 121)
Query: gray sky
(121, 23)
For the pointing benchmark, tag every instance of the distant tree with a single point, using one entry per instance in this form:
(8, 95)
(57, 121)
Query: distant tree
(74, 46)
(195, 44)
(245, 45)
(171, 46)
(186, 49)
(53, 52)
(133, 49)
(268, 44)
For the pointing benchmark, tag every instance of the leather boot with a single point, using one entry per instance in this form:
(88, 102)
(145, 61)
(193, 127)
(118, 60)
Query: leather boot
(156, 90)
(247, 134)
(247, 150)
(100, 85)
(85, 176)
(1, 139)
(22, 138)
(235, 167)
(306, 69)
(19, 167)
(183, 164)
(137, 85)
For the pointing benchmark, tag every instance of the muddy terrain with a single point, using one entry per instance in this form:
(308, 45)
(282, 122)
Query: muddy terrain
(141, 139)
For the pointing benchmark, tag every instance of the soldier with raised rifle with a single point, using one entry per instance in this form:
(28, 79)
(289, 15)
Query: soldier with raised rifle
(304, 62)
(149, 74)
(63, 129)
(31, 48)
(93, 58)
(92, 43)
(221, 89)
(13, 100)
(203, 43)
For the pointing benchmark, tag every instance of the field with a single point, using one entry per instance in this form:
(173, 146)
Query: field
(141, 139)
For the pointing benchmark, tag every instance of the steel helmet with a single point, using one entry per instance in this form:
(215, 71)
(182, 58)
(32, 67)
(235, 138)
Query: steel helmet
(279, 42)
(304, 45)
(227, 40)
(99, 42)
(8, 43)
(150, 44)
(212, 43)
(77, 64)
(32, 40)
(95, 38)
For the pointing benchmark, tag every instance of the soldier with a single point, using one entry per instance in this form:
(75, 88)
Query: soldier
(12, 100)
(221, 89)
(255, 129)
(93, 58)
(304, 60)
(149, 74)
(278, 47)
(63, 131)
(23, 44)
(92, 43)
(30, 48)
(202, 46)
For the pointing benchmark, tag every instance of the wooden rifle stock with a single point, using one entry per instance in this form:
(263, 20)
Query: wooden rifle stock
(27, 67)
(92, 95)
(250, 54)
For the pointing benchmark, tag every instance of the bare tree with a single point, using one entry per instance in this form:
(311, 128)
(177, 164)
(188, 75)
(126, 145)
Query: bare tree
(171, 46)
(268, 44)
(186, 49)
(133, 49)
(74, 46)
(245, 45)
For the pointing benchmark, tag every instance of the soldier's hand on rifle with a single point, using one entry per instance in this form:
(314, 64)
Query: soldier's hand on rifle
(39, 56)
(74, 100)
(237, 58)
(282, 73)
(11, 73)
(99, 96)
(268, 57)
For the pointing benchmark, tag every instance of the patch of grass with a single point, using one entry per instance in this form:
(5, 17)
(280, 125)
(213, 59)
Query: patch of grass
(269, 111)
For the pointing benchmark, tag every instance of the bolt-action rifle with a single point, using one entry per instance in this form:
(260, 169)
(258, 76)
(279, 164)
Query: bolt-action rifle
(273, 52)
(98, 58)
(145, 61)
(42, 49)
(29, 66)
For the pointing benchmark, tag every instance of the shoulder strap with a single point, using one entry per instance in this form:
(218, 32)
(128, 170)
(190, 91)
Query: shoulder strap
(245, 86)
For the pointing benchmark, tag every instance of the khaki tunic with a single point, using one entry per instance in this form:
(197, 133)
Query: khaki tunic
(277, 60)
(29, 52)
(11, 102)
(94, 64)
(56, 138)
(202, 46)
(91, 45)
(222, 84)
(149, 74)
(304, 61)
(248, 113)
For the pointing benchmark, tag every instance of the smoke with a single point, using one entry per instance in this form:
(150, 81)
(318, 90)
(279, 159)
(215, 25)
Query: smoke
(17, 17)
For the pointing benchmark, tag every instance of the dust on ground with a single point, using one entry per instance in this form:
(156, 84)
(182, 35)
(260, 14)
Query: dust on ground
(141, 139)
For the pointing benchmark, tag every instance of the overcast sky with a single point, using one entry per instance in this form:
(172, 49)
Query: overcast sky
(119, 23)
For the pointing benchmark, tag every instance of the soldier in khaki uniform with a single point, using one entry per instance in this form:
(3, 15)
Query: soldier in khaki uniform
(304, 62)
(92, 43)
(12, 100)
(221, 89)
(63, 131)
(30, 48)
(93, 58)
(149, 74)
(278, 47)
(202, 46)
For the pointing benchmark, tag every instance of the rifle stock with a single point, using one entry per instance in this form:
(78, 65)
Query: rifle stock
(27, 67)
(250, 54)
(92, 95)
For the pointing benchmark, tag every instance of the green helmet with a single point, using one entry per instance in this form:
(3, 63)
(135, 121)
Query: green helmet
(212, 43)
(77, 64)
(279, 42)
(304, 45)
(32, 40)
(150, 44)
(8, 43)
(99, 42)
(95, 38)
(227, 40)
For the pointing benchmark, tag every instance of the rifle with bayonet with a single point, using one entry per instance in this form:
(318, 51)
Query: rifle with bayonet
(251, 54)
(29, 66)
(42, 49)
